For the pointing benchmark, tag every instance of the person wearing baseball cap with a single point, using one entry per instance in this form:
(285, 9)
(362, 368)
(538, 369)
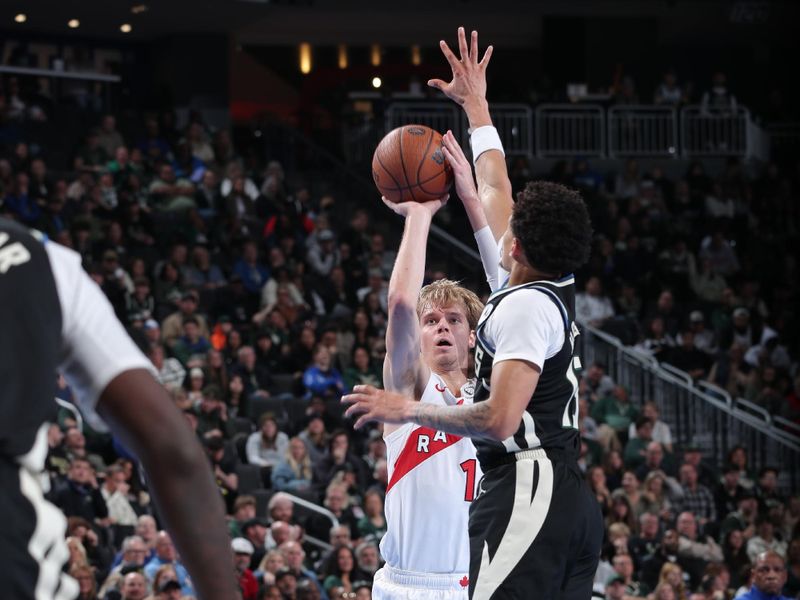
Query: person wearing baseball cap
(242, 553)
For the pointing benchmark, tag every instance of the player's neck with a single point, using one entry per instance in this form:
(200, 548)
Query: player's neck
(453, 378)
(521, 274)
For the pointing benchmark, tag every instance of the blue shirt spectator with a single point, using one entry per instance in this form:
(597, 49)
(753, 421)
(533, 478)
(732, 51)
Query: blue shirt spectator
(320, 379)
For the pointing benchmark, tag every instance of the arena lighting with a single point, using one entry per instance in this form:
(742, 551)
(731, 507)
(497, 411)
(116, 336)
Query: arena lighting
(376, 82)
(21, 18)
(73, 23)
(305, 58)
(416, 55)
(342, 56)
(138, 8)
(125, 28)
(375, 55)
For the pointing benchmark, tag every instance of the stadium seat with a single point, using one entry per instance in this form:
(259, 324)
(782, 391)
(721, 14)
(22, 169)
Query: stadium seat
(249, 478)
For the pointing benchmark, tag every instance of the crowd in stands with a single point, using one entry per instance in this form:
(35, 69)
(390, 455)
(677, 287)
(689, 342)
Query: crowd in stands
(260, 304)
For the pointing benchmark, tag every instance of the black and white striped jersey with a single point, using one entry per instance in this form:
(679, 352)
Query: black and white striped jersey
(52, 317)
(534, 322)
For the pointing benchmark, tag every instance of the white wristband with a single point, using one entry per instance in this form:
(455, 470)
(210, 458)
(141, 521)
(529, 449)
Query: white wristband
(483, 139)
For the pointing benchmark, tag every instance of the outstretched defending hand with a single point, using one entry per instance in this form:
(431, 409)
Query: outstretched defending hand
(462, 170)
(469, 75)
(405, 208)
(377, 405)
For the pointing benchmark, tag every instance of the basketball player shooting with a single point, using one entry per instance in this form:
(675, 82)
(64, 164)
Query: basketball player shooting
(432, 474)
(535, 530)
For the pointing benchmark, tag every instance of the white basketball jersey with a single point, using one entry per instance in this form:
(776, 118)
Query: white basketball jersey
(432, 480)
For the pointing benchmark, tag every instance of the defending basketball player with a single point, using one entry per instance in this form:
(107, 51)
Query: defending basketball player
(534, 528)
(432, 474)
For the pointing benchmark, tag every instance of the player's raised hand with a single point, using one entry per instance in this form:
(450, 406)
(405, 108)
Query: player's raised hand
(469, 74)
(462, 170)
(405, 208)
(377, 405)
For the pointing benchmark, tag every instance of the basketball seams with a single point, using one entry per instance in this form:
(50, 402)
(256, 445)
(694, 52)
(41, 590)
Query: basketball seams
(423, 158)
(403, 166)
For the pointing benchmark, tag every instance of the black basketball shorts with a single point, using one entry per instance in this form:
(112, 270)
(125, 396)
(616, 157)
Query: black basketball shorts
(535, 531)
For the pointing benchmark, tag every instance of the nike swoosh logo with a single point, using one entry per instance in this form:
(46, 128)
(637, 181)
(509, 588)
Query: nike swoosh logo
(527, 518)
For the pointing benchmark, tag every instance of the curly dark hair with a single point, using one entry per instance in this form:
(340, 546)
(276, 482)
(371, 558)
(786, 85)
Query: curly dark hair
(552, 225)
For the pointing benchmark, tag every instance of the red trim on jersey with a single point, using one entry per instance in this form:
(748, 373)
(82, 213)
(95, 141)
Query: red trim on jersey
(409, 458)
(440, 388)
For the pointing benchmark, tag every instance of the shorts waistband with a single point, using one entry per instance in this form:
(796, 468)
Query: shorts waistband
(553, 454)
(437, 581)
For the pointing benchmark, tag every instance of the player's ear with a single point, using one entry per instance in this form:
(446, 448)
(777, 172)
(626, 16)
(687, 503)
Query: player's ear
(516, 251)
(472, 339)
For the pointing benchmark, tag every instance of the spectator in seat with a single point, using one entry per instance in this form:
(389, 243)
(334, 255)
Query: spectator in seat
(731, 372)
(660, 494)
(166, 555)
(687, 357)
(728, 491)
(115, 493)
(341, 570)
(134, 586)
(373, 524)
(657, 342)
(294, 556)
(337, 456)
(252, 272)
(599, 385)
(694, 545)
(192, 345)
(667, 552)
(704, 338)
(362, 371)
(268, 446)
(223, 465)
(591, 306)
(646, 542)
(623, 566)
(718, 99)
(764, 540)
(294, 472)
(616, 412)
(255, 531)
(320, 378)
(661, 431)
(242, 555)
(170, 370)
(668, 91)
(244, 509)
(697, 498)
(134, 555)
(255, 378)
(338, 502)
(769, 577)
(172, 327)
(705, 474)
(635, 448)
(169, 193)
(323, 256)
(81, 496)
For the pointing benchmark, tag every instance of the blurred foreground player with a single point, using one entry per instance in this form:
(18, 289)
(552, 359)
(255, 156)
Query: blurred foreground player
(535, 530)
(54, 317)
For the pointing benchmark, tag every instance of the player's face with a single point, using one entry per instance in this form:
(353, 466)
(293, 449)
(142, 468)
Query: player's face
(445, 337)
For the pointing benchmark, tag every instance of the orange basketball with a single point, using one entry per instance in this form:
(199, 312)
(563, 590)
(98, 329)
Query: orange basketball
(409, 164)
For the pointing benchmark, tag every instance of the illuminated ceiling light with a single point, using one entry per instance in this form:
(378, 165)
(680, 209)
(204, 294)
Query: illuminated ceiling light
(416, 55)
(376, 82)
(125, 28)
(73, 23)
(305, 58)
(375, 55)
(139, 8)
(21, 18)
(342, 56)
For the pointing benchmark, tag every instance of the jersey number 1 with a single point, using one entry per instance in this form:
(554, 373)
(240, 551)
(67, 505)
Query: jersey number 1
(468, 466)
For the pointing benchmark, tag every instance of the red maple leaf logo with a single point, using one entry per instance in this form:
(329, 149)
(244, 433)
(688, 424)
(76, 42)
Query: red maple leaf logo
(464, 581)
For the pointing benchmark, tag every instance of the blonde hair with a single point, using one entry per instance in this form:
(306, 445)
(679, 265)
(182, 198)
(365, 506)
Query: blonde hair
(445, 292)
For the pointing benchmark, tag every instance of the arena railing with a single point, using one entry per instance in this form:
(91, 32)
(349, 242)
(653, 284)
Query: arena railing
(593, 131)
(699, 413)
(319, 510)
(569, 130)
(635, 131)
(715, 133)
